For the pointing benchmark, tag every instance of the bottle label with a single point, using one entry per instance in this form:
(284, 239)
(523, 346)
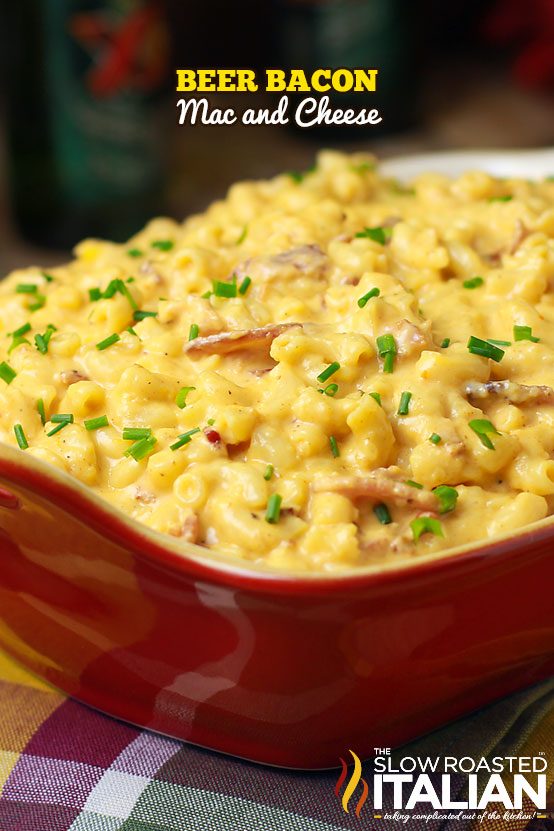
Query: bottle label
(106, 62)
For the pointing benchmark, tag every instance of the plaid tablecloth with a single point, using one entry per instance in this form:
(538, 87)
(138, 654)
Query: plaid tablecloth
(64, 767)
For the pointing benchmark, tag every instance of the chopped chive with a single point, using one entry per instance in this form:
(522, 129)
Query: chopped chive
(38, 303)
(58, 427)
(48, 277)
(426, 525)
(524, 333)
(96, 423)
(499, 342)
(163, 244)
(244, 286)
(122, 289)
(41, 411)
(242, 236)
(382, 513)
(142, 448)
(42, 341)
(17, 341)
(445, 343)
(377, 397)
(268, 472)
(378, 234)
(363, 167)
(140, 314)
(94, 295)
(447, 497)
(184, 439)
(7, 374)
(221, 289)
(474, 283)
(134, 252)
(386, 347)
(194, 331)
(484, 348)
(20, 437)
(206, 295)
(21, 331)
(413, 484)
(26, 288)
(434, 438)
(328, 371)
(375, 292)
(299, 176)
(404, 404)
(136, 433)
(334, 447)
(500, 198)
(211, 422)
(273, 511)
(181, 399)
(109, 341)
(131, 331)
(64, 418)
(330, 390)
(111, 289)
(130, 280)
(482, 427)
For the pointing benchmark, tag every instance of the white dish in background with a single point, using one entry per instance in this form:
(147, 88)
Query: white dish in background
(533, 164)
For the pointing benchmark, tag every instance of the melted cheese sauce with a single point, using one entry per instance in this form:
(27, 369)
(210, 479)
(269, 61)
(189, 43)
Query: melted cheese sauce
(266, 431)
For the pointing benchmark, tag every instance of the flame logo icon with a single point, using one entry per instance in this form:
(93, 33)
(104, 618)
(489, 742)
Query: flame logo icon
(352, 784)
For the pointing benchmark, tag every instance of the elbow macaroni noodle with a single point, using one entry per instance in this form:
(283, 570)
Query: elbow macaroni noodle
(259, 458)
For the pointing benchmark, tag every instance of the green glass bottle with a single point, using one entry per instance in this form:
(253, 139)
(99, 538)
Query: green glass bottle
(85, 137)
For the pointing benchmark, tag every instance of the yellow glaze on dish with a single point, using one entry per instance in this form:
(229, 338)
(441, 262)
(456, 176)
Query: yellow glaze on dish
(265, 428)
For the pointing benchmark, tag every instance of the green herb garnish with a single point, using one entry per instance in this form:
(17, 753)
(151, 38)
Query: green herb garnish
(194, 331)
(7, 374)
(181, 399)
(386, 347)
(482, 427)
(221, 289)
(141, 314)
(413, 484)
(426, 525)
(242, 236)
(366, 297)
(134, 252)
(382, 513)
(404, 404)
(136, 433)
(328, 371)
(109, 341)
(434, 438)
(447, 497)
(334, 447)
(184, 438)
(163, 244)
(445, 343)
(273, 511)
(484, 348)
(500, 198)
(26, 288)
(243, 288)
(142, 448)
(377, 397)
(378, 234)
(524, 333)
(474, 283)
(41, 411)
(20, 437)
(96, 423)
(268, 472)
(330, 390)
(499, 342)
(42, 341)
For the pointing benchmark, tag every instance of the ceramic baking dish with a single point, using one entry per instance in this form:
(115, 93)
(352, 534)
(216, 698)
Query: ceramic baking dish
(288, 670)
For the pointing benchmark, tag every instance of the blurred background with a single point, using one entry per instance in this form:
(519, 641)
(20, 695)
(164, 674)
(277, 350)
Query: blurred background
(89, 140)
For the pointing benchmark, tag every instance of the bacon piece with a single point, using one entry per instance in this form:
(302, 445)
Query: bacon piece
(409, 337)
(512, 392)
(520, 233)
(224, 343)
(145, 497)
(380, 485)
(72, 376)
(189, 530)
(307, 259)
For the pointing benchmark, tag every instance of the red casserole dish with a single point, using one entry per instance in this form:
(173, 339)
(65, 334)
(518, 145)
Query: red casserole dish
(285, 670)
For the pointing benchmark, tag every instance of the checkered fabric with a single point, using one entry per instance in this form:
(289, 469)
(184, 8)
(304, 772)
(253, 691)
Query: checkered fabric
(64, 767)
